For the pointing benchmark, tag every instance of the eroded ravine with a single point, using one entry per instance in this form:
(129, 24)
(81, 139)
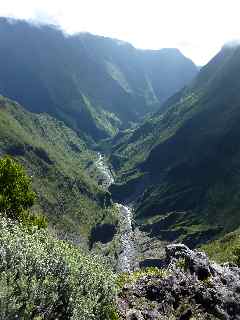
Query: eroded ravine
(127, 250)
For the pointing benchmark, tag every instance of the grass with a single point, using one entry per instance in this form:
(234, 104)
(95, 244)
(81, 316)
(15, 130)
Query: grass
(225, 249)
(131, 278)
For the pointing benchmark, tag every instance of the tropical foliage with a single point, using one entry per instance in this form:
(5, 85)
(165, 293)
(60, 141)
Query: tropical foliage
(15, 188)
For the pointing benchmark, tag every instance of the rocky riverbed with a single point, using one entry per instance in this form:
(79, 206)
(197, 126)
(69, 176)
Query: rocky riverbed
(137, 248)
(127, 255)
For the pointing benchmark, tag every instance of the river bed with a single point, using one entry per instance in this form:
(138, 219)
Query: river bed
(127, 250)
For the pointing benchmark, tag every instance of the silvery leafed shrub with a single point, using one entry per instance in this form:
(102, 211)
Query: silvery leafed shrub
(44, 278)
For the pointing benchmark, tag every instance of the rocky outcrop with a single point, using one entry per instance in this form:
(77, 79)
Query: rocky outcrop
(190, 287)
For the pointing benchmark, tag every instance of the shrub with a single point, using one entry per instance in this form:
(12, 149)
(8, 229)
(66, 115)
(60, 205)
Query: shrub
(127, 278)
(15, 188)
(236, 252)
(31, 221)
(45, 278)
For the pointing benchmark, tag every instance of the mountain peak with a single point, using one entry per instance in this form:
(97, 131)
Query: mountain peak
(232, 44)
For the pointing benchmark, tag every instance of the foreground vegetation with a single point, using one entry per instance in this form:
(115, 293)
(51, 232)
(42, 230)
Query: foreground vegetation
(44, 278)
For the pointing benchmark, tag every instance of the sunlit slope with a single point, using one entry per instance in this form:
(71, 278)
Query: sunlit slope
(58, 161)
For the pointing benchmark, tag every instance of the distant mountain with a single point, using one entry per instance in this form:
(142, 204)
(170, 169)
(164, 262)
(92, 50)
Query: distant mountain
(95, 85)
(183, 163)
(167, 70)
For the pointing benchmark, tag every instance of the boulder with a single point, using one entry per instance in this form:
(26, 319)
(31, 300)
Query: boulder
(193, 287)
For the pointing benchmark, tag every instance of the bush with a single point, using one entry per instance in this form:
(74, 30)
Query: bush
(31, 221)
(44, 278)
(15, 188)
(129, 278)
(236, 252)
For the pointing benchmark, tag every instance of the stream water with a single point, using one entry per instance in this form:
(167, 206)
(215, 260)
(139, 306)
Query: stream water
(127, 252)
(106, 173)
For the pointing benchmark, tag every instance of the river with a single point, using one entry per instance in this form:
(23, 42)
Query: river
(127, 250)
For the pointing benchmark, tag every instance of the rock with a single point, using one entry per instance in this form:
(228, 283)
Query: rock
(197, 262)
(151, 315)
(134, 315)
(193, 288)
(176, 251)
(186, 315)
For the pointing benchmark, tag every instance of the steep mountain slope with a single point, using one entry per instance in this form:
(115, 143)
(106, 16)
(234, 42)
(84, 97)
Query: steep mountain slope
(167, 70)
(61, 167)
(94, 84)
(183, 162)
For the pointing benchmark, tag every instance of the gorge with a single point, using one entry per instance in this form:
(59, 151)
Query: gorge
(115, 155)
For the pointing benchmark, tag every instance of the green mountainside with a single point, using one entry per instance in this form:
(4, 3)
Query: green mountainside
(182, 163)
(179, 165)
(79, 112)
(61, 167)
(95, 85)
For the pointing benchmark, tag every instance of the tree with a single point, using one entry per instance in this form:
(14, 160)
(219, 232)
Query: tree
(16, 194)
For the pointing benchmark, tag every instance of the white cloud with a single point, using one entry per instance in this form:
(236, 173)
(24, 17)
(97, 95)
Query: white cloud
(198, 28)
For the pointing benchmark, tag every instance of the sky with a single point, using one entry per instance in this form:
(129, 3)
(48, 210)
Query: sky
(199, 28)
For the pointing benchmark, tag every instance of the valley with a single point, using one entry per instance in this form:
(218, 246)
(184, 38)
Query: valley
(119, 179)
(136, 249)
(182, 163)
(174, 194)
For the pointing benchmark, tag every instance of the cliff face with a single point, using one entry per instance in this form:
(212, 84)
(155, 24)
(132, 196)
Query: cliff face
(189, 286)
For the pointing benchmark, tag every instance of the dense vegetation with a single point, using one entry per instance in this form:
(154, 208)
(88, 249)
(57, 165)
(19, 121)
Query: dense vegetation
(16, 195)
(61, 167)
(42, 277)
(180, 165)
(15, 188)
(45, 278)
(183, 162)
(94, 84)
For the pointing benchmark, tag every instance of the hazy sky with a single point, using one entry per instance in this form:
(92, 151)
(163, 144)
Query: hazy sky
(198, 28)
